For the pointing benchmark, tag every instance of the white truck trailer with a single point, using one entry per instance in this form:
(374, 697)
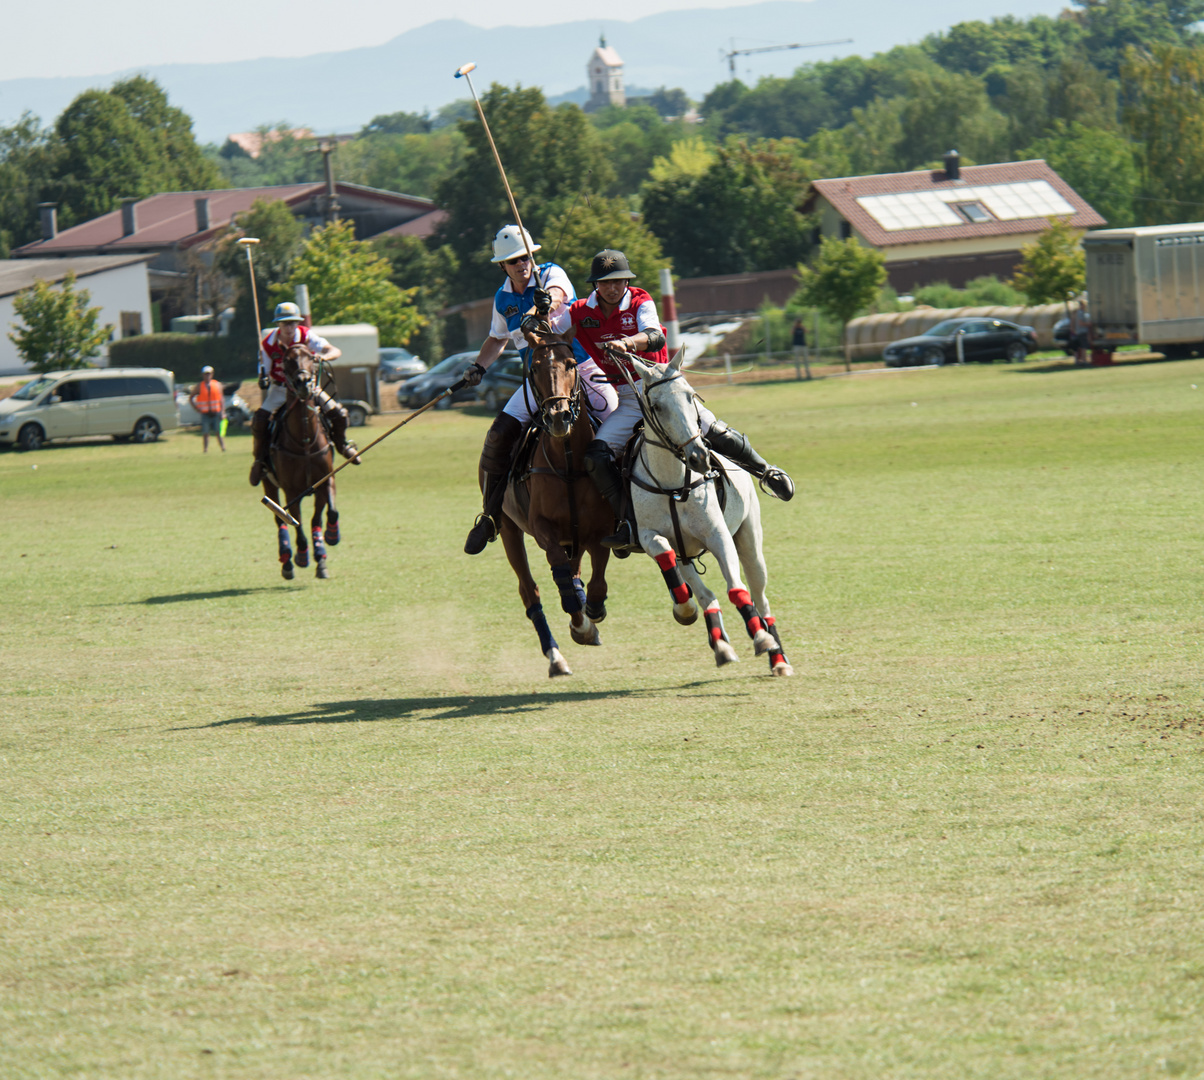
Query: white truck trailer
(355, 372)
(1146, 286)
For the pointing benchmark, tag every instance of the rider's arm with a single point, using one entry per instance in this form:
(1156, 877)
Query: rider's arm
(491, 350)
(649, 337)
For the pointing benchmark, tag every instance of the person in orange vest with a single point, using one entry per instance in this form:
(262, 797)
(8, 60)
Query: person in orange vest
(208, 401)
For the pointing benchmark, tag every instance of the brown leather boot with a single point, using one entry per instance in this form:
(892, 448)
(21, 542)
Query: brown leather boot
(259, 444)
(500, 442)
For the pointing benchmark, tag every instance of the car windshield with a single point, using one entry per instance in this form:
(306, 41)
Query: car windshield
(32, 389)
(449, 363)
(944, 329)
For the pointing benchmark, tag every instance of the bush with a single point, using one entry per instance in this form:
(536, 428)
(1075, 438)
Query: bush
(186, 354)
(986, 291)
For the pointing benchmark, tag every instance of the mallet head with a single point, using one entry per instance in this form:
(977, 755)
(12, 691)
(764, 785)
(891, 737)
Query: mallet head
(282, 515)
(248, 239)
(460, 71)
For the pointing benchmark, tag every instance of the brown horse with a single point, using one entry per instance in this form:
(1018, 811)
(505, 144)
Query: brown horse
(557, 503)
(301, 455)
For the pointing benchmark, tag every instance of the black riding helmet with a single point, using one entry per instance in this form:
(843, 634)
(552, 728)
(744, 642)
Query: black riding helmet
(609, 265)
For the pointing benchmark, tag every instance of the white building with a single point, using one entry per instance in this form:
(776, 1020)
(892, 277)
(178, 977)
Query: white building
(118, 285)
(604, 74)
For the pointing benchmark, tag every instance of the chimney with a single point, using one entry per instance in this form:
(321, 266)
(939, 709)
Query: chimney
(50, 219)
(202, 214)
(952, 166)
(129, 216)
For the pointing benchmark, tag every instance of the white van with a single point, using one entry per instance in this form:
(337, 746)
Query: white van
(127, 403)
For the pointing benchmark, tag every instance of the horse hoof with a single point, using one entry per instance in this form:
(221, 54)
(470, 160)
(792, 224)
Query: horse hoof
(286, 571)
(302, 559)
(322, 571)
(782, 669)
(558, 665)
(763, 642)
(591, 637)
(686, 614)
(724, 653)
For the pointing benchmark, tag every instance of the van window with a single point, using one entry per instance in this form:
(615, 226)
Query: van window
(71, 390)
(32, 389)
(146, 384)
(105, 388)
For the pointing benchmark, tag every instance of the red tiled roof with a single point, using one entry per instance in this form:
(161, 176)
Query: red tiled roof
(843, 193)
(168, 219)
(422, 227)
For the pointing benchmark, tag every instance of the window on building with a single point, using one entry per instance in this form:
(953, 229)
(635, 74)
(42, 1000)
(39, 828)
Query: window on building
(974, 212)
(846, 230)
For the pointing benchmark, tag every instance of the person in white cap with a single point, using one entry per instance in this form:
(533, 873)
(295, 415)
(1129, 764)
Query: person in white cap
(208, 401)
(290, 330)
(545, 289)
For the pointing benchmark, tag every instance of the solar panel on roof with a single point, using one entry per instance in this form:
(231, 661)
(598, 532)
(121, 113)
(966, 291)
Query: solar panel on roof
(933, 210)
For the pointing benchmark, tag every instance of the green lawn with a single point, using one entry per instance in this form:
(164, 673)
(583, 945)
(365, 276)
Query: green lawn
(349, 828)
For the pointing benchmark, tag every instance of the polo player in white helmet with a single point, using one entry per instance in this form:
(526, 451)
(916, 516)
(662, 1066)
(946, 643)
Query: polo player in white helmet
(290, 330)
(545, 289)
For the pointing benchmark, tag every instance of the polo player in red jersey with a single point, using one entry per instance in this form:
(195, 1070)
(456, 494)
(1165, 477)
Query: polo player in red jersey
(623, 318)
(290, 330)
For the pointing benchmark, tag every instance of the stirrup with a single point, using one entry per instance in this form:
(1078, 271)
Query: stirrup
(477, 537)
(622, 541)
(776, 483)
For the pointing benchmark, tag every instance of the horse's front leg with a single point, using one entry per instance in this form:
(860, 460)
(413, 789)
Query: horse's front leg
(283, 547)
(567, 578)
(685, 611)
(596, 591)
(514, 541)
(723, 548)
(332, 509)
(302, 542)
(749, 547)
(315, 528)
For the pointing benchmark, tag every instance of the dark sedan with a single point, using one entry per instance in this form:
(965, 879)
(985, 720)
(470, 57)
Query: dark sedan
(982, 340)
(416, 392)
(505, 375)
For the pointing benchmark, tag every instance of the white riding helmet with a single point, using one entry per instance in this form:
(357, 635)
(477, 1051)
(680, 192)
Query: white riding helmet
(509, 243)
(287, 312)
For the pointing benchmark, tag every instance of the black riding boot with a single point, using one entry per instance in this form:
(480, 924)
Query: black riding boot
(500, 442)
(338, 431)
(732, 444)
(600, 464)
(259, 444)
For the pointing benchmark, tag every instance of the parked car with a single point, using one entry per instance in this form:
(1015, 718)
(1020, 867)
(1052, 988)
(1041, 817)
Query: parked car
(238, 412)
(982, 340)
(127, 403)
(397, 364)
(505, 375)
(416, 392)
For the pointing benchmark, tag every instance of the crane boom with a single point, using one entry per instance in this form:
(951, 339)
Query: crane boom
(731, 54)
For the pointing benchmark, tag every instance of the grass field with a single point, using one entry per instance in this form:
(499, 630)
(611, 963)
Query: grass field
(349, 828)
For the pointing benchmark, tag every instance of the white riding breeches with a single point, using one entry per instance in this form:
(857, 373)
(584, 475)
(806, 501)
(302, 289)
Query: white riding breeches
(277, 395)
(617, 428)
(602, 396)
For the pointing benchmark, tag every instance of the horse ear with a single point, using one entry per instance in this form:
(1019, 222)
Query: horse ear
(676, 362)
(647, 370)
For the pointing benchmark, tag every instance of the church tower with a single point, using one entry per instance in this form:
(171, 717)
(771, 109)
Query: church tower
(605, 74)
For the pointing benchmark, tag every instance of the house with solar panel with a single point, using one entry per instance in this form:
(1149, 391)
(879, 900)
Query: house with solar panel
(953, 224)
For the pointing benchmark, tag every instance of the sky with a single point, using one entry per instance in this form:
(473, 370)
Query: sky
(84, 37)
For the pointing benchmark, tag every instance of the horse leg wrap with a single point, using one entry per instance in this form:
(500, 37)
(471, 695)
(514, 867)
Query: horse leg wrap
(332, 527)
(748, 613)
(572, 592)
(536, 615)
(596, 612)
(319, 544)
(282, 544)
(714, 618)
(673, 579)
(776, 656)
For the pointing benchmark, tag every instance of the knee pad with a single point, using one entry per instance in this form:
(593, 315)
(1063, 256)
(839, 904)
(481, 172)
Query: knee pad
(597, 456)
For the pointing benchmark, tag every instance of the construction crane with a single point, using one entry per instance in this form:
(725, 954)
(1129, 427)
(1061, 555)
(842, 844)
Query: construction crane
(730, 55)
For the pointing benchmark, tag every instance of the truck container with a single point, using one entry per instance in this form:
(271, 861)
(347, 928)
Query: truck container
(355, 372)
(1146, 286)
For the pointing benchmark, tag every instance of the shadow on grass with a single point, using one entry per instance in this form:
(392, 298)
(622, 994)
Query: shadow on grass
(452, 707)
(189, 597)
(1054, 366)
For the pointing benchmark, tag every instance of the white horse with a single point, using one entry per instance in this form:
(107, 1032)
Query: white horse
(680, 514)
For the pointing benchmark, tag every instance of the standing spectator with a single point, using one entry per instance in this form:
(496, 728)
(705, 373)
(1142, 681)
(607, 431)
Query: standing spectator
(207, 400)
(798, 339)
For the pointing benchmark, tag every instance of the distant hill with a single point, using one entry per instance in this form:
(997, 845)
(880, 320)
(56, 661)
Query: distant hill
(342, 91)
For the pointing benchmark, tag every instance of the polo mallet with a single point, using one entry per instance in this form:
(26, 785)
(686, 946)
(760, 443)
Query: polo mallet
(463, 72)
(246, 243)
(282, 512)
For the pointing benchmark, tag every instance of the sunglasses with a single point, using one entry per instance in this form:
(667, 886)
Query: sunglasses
(517, 260)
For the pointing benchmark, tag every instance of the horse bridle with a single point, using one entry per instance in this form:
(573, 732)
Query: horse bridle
(539, 414)
(304, 386)
(651, 422)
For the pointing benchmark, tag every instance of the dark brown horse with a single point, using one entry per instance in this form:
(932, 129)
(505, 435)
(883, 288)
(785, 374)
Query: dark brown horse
(557, 503)
(301, 455)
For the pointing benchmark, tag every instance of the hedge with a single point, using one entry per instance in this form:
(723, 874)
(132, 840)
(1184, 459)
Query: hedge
(185, 354)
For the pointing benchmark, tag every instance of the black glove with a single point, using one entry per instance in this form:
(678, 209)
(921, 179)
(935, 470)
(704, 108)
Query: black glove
(473, 374)
(530, 324)
(264, 382)
(543, 301)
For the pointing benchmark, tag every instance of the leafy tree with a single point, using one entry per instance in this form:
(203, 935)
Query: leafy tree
(633, 138)
(1053, 269)
(739, 215)
(184, 167)
(673, 102)
(579, 234)
(1165, 116)
(929, 127)
(550, 155)
(428, 274)
(349, 283)
(413, 164)
(842, 279)
(279, 234)
(1100, 165)
(27, 169)
(61, 331)
(689, 158)
(284, 158)
(977, 48)
(398, 123)
(1111, 27)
